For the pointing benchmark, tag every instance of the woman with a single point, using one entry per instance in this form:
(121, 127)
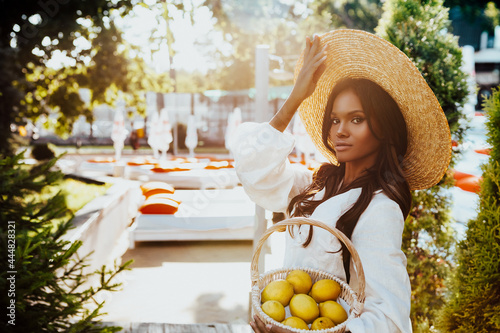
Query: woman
(371, 114)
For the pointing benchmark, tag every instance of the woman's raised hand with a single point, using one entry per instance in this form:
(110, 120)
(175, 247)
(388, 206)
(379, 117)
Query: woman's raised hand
(305, 84)
(306, 81)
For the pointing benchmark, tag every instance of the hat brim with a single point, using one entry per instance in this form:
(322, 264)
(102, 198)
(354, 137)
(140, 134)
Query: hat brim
(359, 54)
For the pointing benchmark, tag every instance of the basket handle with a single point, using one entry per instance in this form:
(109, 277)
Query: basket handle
(281, 226)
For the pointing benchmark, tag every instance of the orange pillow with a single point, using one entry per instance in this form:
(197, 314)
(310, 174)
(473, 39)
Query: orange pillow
(470, 184)
(156, 187)
(460, 175)
(154, 205)
(168, 169)
(219, 165)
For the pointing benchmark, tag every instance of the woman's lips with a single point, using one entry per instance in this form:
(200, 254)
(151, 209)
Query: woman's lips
(342, 146)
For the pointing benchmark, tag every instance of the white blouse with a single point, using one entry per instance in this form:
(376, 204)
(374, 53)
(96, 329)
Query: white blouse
(261, 161)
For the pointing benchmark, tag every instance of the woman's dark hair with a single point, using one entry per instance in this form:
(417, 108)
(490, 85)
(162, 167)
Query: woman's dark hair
(386, 174)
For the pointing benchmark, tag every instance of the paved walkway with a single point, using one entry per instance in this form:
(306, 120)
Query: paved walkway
(184, 283)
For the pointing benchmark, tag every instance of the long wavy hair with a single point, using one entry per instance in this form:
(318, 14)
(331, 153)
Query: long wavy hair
(386, 174)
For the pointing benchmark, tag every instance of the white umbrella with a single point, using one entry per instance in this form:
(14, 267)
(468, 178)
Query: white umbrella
(118, 132)
(165, 133)
(233, 121)
(154, 133)
(160, 133)
(191, 135)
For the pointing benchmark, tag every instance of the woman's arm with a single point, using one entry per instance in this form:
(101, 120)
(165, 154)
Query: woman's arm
(261, 150)
(304, 85)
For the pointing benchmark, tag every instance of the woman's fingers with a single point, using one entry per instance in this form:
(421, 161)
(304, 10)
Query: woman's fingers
(260, 325)
(307, 48)
(315, 45)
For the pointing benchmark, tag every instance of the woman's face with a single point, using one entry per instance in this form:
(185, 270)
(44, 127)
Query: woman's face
(352, 138)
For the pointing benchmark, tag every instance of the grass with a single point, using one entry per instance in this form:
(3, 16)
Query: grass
(77, 194)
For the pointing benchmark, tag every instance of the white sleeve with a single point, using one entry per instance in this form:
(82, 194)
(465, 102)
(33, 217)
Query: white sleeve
(377, 237)
(261, 161)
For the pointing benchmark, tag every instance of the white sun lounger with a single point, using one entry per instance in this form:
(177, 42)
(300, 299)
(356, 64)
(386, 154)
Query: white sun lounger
(216, 214)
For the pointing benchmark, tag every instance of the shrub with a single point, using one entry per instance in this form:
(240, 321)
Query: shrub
(43, 282)
(473, 304)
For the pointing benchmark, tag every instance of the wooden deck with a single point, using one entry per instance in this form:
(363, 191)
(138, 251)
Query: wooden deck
(180, 328)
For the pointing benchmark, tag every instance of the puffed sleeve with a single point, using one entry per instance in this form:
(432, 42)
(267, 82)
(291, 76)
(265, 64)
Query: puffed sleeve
(377, 237)
(261, 161)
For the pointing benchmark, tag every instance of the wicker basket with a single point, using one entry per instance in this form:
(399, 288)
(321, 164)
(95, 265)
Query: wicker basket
(259, 281)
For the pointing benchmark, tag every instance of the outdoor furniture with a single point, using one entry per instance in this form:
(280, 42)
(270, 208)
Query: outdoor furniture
(216, 214)
(191, 179)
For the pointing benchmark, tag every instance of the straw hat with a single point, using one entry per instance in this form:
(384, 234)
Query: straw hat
(358, 54)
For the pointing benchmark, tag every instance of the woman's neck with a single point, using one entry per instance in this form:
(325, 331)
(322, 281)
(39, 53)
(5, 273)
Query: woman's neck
(354, 171)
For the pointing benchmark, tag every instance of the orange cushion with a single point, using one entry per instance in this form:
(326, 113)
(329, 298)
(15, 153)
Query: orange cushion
(102, 160)
(219, 165)
(460, 175)
(154, 205)
(470, 184)
(168, 169)
(485, 151)
(156, 187)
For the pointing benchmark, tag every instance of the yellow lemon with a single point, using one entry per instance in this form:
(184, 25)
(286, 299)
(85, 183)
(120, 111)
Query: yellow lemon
(278, 290)
(300, 280)
(304, 307)
(322, 323)
(325, 290)
(275, 310)
(295, 323)
(333, 310)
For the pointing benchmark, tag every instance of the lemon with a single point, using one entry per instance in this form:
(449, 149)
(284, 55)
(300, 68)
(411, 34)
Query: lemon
(275, 310)
(300, 280)
(325, 290)
(295, 322)
(278, 290)
(322, 323)
(304, 307)
(333, 310)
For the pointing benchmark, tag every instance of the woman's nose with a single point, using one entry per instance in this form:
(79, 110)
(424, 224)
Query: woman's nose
(341, 131)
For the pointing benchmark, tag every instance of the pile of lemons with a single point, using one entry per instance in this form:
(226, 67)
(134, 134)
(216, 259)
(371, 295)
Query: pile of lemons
(308, 303)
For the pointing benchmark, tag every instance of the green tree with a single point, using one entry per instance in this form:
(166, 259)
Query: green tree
(246, 24)
(350, 14)
(473, 304)
(31, 33)
(419, 29)
(43, 280)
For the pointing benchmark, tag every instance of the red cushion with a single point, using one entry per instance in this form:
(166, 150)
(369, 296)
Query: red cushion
(154, 205)
(156, 187)
(460, 175)
(470, 184)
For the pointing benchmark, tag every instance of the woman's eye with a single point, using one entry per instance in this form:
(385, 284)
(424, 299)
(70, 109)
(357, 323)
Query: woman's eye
(357, 120)
(335, 121)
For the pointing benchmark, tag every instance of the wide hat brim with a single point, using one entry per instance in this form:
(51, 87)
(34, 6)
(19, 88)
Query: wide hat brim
(359, 54)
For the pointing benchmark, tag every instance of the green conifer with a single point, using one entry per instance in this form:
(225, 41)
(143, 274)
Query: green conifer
(473, 303)
(42, 282)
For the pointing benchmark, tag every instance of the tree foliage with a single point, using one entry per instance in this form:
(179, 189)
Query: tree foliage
(33, 34)
(473, 304)
(247, 24)
(43, 283)
(419, 29)
(350, 14)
